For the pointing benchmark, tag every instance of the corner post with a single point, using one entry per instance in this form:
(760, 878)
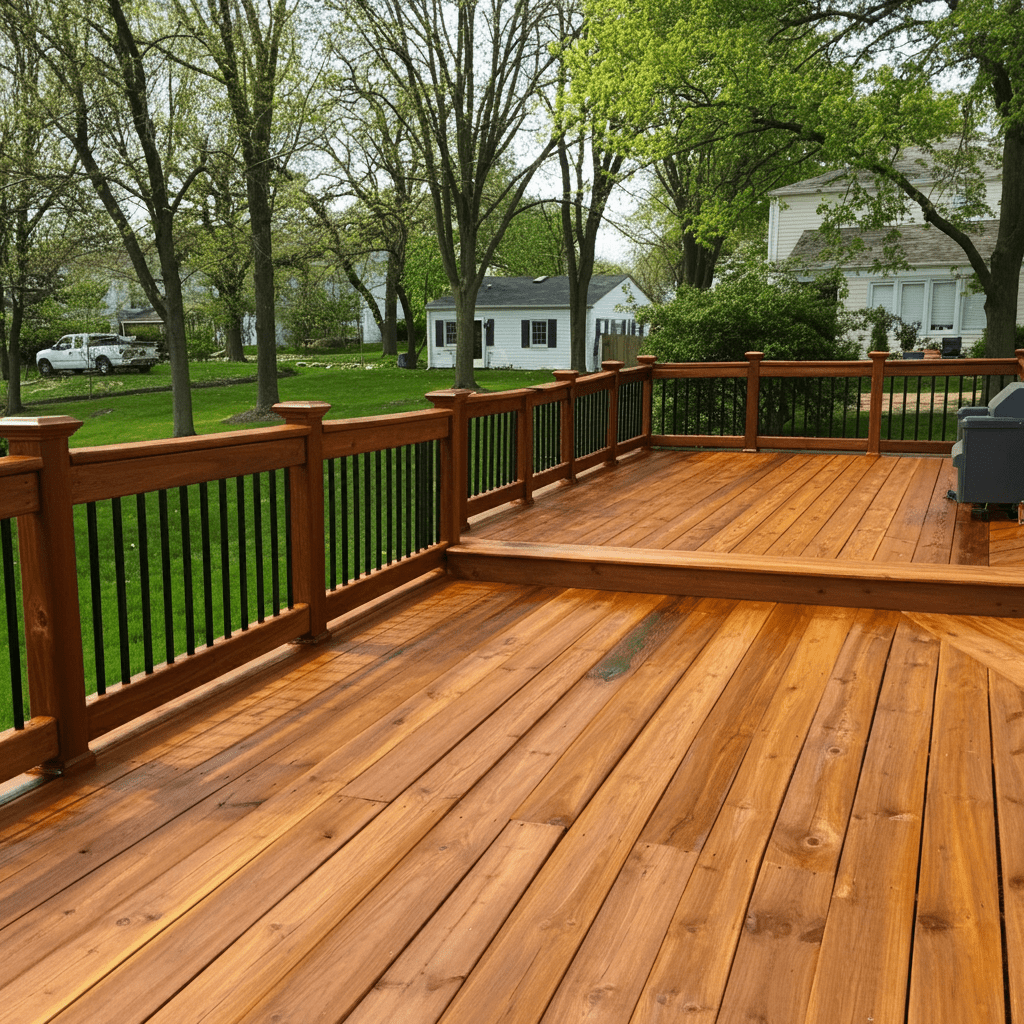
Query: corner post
(612, 439)
(647, 411)
(454, 463)
(875, 412)
(309, 579)
(568, 420)
(49, 577)
(1020, 362)
(753, 400)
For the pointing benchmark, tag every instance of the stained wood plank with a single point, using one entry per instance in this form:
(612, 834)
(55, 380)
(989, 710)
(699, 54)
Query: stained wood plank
(689, 977)
(777, 953)
(957, 942)
(267, 953)
(652, 664)
(871, 529)
(995, 642)
(863, 967)
(518, 974)
(608, 973)
(1007, 697)
(904, 533)
(422, 981)
(838, 529)
(935, 544)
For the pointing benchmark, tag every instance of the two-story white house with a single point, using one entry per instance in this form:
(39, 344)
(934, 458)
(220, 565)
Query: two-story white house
(523, 322)
(933, 293)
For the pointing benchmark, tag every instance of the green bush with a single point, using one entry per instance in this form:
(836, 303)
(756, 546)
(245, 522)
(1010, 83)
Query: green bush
(752, 309)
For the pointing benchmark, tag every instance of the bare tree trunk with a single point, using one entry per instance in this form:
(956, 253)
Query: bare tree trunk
(233, 342)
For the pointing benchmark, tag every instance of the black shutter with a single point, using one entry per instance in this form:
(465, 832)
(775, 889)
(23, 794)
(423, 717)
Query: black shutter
(526, 334)
(552, 334)
(439, 334)
(490, 334)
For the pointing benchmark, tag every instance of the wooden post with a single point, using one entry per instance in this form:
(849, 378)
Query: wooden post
(612, 438)
(648, 398)
(309, 576)
(454, 490)
(753, 400)
(524, 441)
(49, 576)
(1020, 362)
(875, 412)
(568, 420)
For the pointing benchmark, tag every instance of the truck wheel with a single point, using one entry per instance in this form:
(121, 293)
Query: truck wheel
(45, 369)
(104, 366)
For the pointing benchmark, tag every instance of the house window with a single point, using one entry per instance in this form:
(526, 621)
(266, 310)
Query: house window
(449, 332)
(539, 333)
(931, 303)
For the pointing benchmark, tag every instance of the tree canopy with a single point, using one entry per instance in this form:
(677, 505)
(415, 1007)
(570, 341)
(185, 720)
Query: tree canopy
(852, 88)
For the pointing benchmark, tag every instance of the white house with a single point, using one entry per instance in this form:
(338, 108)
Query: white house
(523, 322)
(933, 293)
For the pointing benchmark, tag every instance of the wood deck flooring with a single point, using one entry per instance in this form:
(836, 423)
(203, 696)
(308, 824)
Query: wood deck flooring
(485, 802)
(850, 507)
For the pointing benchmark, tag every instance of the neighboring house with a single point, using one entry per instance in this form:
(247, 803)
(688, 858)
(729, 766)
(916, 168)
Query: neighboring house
(523, 322)
(934, 293)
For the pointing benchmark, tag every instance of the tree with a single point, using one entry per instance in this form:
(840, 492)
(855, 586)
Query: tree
(463, 80)
(533, 244)
(255, 52)
(220, 247)
(120, 107)
(856, 87)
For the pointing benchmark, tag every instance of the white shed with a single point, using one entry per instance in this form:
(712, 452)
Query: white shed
(523, 322)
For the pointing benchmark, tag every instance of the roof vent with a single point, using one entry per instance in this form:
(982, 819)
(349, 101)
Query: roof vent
(537, 280)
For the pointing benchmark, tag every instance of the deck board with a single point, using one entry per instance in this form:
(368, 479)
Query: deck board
(487, 802)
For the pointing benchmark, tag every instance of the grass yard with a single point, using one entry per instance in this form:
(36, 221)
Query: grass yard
(371, 388)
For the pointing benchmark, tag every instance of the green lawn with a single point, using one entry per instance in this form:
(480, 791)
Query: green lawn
(370, 388)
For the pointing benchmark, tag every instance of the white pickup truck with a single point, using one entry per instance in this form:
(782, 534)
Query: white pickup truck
(106, 353)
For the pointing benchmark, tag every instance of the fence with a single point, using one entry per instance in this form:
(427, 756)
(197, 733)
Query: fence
(131, 574)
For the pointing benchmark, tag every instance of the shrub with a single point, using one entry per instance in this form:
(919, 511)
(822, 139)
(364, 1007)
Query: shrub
(752, 308)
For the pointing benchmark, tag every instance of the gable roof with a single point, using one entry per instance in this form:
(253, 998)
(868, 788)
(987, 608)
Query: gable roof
(923, 246)
(526, 292)
(913, 161)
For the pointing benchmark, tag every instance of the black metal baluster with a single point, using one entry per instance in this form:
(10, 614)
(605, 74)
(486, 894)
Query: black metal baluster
(401, 505)
(275, 550)
(367, 516)
(377, 496)
(204, 520)
(389, 503)
(257, 529)
(186, 566)
(346, 517)
(13, 626)
(332, 532)
(165, 575)
(288, 537)
(356, 506)
(225, 556)
(243, 558)
(147, 611)
(122, 591)
(97, 600)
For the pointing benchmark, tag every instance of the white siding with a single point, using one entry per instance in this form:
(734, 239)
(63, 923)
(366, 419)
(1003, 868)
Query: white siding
(508, 350)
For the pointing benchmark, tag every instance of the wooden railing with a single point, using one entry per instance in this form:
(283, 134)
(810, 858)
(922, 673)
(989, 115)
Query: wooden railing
(371, 504)
(864, 406)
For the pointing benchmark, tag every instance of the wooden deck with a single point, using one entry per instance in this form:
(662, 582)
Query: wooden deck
(486, 802)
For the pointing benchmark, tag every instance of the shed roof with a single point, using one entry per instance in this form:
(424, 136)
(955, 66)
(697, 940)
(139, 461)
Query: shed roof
(923, 246)
(524, 292)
